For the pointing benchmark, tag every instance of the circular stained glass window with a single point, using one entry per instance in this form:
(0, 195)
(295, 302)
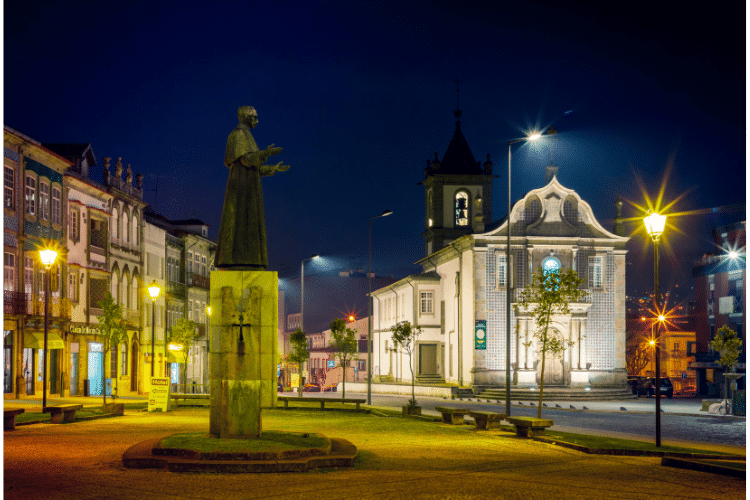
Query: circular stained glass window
(551, 265)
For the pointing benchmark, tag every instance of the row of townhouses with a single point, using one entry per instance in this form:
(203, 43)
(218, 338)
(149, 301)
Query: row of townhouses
(111, 241)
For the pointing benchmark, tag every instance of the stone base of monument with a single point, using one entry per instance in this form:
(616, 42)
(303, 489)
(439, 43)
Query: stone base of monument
(152, 455)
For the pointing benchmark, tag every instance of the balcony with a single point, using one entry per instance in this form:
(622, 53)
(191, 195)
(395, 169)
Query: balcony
(586, 299)
(33, 304)
(176, 290)
(199, 281)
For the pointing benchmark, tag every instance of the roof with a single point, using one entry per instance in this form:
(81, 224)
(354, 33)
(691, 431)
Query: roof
(458, 158)
(72, 152)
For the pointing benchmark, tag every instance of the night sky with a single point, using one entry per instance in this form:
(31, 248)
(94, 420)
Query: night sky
(361, 94)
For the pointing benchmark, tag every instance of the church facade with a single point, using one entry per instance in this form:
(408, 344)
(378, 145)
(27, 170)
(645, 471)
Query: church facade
(459, 298)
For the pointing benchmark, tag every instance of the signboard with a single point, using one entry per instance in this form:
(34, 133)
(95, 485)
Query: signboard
(295, 381)
(158, 396)
(480, 335)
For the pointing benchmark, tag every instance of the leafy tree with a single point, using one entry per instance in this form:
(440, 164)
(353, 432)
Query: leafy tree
(183, 332)
(299, 354)
(550, 293)
(345, 344)
(405, 336)
(728, 345)
(112, 328)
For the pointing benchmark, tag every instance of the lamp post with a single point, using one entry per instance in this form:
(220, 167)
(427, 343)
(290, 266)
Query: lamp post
(302, 295)
(531, 137)
(47, 257)
(369, 303)
(655, 227)
(154, 290)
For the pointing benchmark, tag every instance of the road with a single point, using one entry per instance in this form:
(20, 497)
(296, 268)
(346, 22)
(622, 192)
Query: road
(681, 420)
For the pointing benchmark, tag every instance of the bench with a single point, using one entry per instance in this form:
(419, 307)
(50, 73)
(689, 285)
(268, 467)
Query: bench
(486, 419)
(62, 413)
(454, 416)
(322, 401)
(530, 426)
(706, 403)
(10, 418)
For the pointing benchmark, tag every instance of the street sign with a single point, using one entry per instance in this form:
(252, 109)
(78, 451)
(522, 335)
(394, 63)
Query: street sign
(158, 395)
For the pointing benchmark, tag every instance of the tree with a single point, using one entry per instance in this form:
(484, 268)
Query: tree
(405, 336)
(728, 345)
(112, 328)
(299, 354)
(183, 332)
(550, 293)
(345, 344)
(638, 353)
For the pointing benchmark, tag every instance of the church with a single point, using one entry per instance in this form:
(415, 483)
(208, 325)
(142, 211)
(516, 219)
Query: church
(459, 299)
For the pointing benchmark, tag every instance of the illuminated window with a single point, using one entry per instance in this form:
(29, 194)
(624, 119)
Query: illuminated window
(44, 200)
(551, 265)
(30, 195)
(190, 262)
(596, 271)
(55, 205)
(73, 286)
(10, 187)
(74, 225)
(28, 274)
(135, 230)
(462, 208)
(123, 359)
(426, 299)
(9, 278)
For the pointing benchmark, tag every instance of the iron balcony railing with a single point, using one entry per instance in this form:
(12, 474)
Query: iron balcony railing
(586, 299)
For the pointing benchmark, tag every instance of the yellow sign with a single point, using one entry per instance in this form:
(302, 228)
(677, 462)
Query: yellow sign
(158, 395)
(175, 347)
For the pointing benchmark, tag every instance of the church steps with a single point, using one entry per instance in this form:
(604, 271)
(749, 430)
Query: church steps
(558, 393)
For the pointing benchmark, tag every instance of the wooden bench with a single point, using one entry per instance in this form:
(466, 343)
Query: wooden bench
(486, 419)
(322, 401)
(454, 416)
(10, 418)
(62, 413)
(530, 426)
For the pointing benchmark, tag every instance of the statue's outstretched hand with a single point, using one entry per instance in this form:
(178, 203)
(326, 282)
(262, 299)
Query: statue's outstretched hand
(281, 168)
(271, 150)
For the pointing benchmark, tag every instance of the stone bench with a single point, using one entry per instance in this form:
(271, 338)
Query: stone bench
(10, 418)
(486, 419)
(453, 416)
(322, 401)
(62, 413)
(530, 426)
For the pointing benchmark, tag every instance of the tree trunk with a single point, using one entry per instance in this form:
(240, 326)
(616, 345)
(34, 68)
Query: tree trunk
(541, 388)
(299, 379)
(104, 376)
(343, 384)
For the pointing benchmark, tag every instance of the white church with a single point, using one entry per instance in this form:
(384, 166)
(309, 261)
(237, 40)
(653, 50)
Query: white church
(459, 298)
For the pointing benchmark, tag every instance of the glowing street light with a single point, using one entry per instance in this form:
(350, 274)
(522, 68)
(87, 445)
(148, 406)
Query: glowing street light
(47, 256)
(369, 303)
(154, 290)
(655, 224)
(529, 138)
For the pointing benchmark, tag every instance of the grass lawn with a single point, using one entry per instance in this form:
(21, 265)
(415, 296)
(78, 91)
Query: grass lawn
(268, 441)
(609, 443)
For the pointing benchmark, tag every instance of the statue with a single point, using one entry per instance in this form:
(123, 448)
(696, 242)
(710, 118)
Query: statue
(242, 232)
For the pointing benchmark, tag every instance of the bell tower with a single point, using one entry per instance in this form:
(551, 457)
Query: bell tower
(458, 192)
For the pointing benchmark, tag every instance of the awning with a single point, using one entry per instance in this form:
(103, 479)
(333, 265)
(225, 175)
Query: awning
(177, 357)
(36, 341)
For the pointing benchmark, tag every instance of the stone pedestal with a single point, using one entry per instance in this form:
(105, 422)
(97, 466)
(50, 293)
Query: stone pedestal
(243, 351)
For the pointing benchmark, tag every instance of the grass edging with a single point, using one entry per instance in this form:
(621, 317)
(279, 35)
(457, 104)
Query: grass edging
(703, 467)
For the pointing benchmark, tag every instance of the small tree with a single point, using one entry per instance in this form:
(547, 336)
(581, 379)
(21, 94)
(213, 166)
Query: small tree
(550, 293)
(299, 354)
(183, 332)
(728, 345)
(345, 344)
(112, 328)
(638, 354)
(405, 336)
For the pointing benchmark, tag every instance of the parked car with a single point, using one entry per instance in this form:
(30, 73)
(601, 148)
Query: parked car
(648, 387)
(311, 388)
(634, 382)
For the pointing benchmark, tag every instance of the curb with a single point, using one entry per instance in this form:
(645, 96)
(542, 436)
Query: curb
(637, 453)
(703, 467)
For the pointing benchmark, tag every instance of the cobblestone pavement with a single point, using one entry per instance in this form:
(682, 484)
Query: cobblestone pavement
(83, 461)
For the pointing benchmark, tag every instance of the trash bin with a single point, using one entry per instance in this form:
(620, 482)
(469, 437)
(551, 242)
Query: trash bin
(86, 392)
(738, 403)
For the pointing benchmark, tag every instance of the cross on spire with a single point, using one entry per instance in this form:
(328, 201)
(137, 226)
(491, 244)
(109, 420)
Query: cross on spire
(457, 112)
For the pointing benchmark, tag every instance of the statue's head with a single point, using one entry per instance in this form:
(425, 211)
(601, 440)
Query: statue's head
(247, 114)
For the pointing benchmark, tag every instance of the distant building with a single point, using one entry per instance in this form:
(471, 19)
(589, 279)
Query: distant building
(719, 300)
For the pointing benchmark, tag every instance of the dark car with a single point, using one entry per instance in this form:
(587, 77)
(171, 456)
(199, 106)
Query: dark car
(648, 387)
(634, 382)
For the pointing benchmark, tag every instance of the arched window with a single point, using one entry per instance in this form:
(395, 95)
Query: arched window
(135, 230)
(126, 226)
(115, 224)
(461, 205)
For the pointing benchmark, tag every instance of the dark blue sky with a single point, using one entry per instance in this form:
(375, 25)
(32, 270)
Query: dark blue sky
(360, 94)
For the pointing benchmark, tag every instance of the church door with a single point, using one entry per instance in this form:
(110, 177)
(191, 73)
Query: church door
(554, 367)
(428, 359)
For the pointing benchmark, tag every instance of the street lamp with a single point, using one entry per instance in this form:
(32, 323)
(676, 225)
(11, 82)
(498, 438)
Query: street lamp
(531, 137)
(154, 290)
(655, 227)
(302, 297)
(48, 257)
(369, 303)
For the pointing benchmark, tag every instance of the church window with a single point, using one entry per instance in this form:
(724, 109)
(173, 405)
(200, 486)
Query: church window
(596, 271)
(502, 273)
(425, 302)
(462, 208)
(551, 265)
